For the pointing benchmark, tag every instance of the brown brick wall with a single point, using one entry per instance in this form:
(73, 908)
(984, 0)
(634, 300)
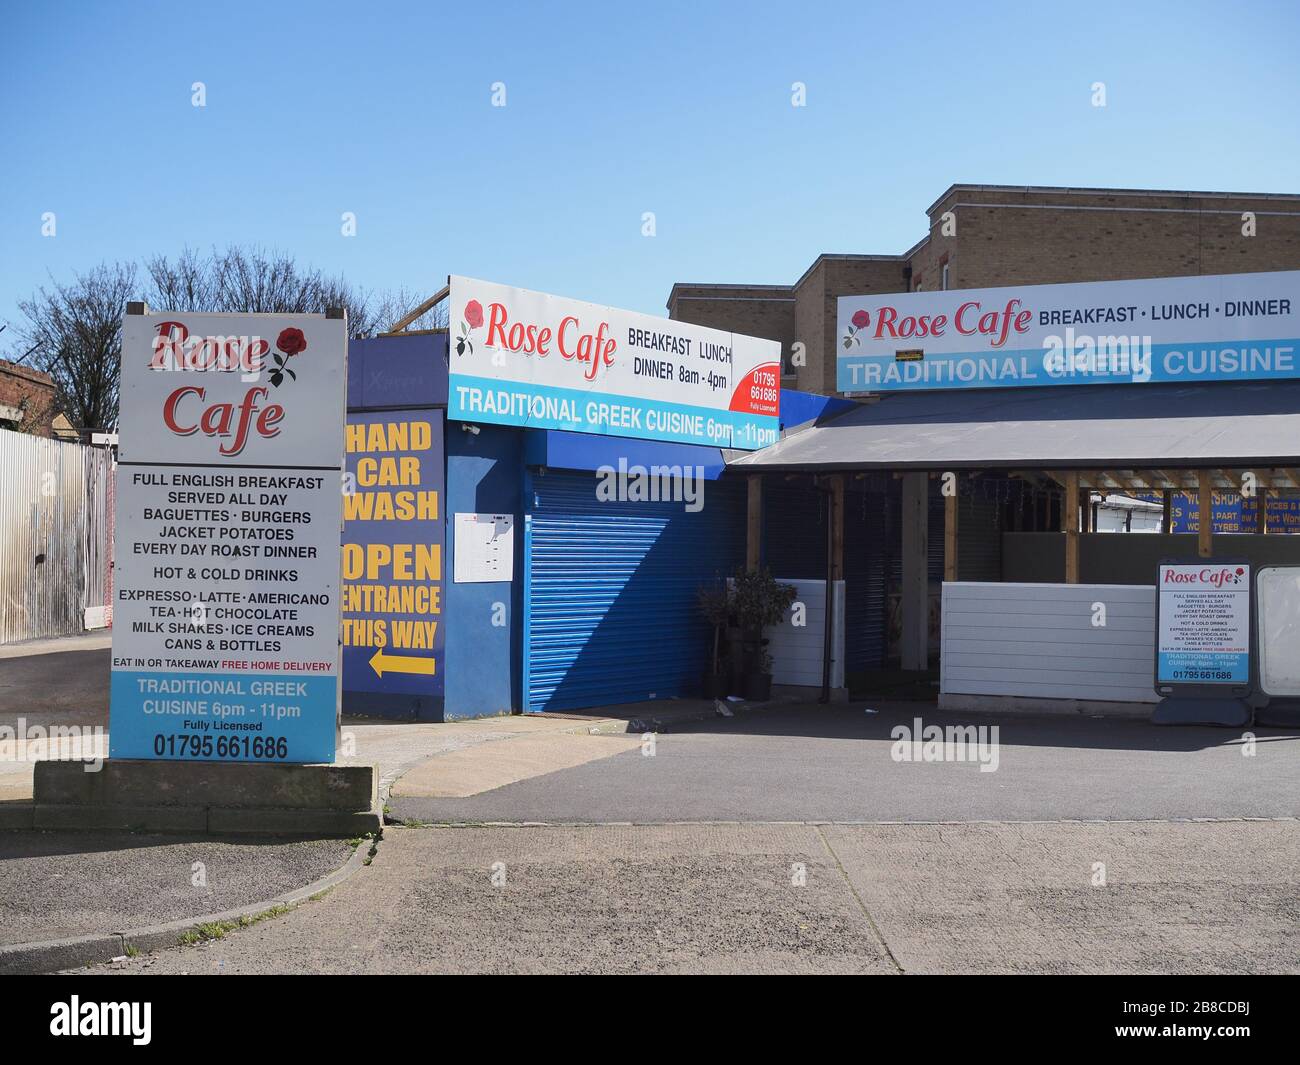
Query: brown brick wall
(816, 297)
(1018, 236)
(1047, 245)
(765, 311)
(31, 391)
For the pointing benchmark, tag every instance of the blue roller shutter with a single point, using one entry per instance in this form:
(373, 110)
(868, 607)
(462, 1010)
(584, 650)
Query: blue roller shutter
(610, 611)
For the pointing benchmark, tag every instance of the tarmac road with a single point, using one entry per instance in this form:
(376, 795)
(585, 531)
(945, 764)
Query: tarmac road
(834, 764)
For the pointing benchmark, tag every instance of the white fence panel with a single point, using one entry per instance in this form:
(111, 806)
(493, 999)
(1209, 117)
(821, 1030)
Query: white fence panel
(797, 650)
(1040, 641)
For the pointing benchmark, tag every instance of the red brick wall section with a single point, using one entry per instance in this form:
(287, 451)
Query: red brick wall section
(31, 391)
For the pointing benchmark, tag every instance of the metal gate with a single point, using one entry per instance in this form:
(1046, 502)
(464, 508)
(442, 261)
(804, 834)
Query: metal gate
(610, 612)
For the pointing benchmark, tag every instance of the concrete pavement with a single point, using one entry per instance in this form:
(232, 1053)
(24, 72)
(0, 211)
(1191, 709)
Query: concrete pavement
(886, 899)
(1146, 889)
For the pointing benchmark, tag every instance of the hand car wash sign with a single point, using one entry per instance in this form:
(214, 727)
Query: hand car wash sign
(1232, 327)
(524, 358)
(226, 604)
(392, 555)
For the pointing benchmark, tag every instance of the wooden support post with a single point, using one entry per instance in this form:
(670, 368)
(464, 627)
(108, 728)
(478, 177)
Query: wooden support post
(1167, 514)
(1204, 514)
(950, 535)
(1070, 522)
(754, 523)
(837, 527)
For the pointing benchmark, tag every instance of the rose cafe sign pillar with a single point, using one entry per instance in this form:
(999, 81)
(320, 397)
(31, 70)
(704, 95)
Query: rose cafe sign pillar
(226, 589)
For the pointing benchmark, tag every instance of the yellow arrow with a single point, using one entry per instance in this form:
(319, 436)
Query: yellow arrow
(400, 663)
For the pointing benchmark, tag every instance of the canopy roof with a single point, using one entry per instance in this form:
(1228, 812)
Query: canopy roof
(1236, 425)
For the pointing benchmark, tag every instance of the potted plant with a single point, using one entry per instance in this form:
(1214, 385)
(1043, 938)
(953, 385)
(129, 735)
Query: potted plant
(715, 604)
(758, 601)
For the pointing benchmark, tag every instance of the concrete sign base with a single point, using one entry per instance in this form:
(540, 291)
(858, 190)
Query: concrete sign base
(213, 798)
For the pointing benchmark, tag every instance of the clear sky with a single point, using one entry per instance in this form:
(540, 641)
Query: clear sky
(385, 109)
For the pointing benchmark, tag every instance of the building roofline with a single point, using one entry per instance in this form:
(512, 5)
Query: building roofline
(719, 287)
(1070, 190)
(30, 373)
(840, 257)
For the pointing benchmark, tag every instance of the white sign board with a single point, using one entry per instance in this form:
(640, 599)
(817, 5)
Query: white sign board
(1229, 327)
(226, 587)
(1203, 624)
(484, 548)
(1277, 608)
(529, 359)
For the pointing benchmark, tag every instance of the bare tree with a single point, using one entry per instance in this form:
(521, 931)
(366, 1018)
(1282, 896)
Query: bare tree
(255, 281)
(186, 283)
(77, 333)
(395, 305)
(77, 327)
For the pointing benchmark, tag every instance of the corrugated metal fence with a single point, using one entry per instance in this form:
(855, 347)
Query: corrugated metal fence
(56, 515)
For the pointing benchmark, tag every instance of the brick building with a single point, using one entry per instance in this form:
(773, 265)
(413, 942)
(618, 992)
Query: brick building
(28, 399)
(985, 236)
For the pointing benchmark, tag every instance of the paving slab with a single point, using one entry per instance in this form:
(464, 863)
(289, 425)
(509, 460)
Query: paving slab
(474, 770)
(882, 899)
(610, 899)
(1195, 898)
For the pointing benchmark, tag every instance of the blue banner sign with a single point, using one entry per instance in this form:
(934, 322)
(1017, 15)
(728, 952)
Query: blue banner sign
(1232, 513)
(1229, 327)
(529, 359)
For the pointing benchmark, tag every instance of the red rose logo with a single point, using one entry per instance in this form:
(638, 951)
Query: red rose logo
(472, 320)
(860, 320)
(291, 341)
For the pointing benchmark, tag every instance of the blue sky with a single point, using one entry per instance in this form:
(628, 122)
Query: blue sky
(384, 109)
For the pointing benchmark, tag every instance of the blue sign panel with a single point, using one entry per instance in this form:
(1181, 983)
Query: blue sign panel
(392, 601)
(1229, 327)
(1231, 512)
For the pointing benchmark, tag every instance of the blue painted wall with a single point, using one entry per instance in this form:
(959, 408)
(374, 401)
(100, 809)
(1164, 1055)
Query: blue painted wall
(590, 451)
(484, 476)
